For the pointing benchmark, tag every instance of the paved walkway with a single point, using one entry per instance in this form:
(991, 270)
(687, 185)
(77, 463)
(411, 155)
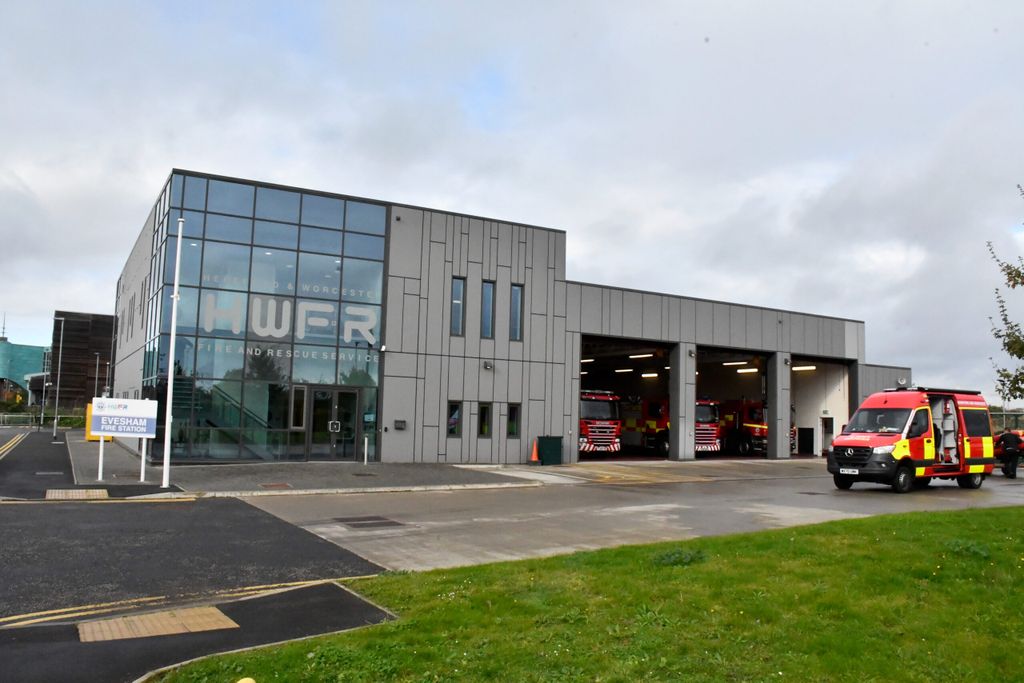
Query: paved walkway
(122, 469)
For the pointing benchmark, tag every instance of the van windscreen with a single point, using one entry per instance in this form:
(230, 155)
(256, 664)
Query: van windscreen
(878, 420)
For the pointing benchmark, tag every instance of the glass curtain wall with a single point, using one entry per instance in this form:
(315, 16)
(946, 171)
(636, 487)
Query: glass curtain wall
(277, 288)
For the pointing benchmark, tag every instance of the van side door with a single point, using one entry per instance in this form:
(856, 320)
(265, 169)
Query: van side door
(920, 442)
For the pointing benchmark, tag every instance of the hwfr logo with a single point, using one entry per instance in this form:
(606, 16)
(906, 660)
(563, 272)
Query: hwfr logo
(271, 317)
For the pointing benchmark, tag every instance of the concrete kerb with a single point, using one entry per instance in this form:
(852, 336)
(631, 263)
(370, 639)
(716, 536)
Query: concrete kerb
(337, 492)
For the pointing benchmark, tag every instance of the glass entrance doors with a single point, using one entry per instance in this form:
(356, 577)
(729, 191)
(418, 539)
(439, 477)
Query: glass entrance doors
(334, 431)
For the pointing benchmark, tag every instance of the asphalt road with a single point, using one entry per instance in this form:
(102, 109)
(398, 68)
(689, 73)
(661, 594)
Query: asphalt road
(59, 555)
(602, 508)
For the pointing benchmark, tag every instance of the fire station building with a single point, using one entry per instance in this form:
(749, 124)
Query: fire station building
(313, 325)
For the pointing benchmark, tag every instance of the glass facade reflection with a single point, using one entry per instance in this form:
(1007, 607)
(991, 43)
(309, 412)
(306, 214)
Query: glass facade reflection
(281, 295)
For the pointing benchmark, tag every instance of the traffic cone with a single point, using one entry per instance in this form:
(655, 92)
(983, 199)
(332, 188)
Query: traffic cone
(533, 456)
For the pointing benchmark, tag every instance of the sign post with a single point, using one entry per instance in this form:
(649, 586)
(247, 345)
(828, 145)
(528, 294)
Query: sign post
(123, 417)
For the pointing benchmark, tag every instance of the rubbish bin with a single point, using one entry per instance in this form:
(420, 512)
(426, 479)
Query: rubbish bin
(549, 449)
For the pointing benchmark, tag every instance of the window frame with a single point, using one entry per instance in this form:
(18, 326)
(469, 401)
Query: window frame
(458, 330)
(487, 288)
(515, 318)
(484, 420)
(517, 422)
(454, 431)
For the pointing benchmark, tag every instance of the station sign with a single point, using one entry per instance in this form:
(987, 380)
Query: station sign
(123, 417)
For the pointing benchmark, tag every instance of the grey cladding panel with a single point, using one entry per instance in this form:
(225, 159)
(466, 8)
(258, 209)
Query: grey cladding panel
(405, 242)
(590, 309)
(653, 317)
(632, 314)
(614, 312)
(738, 327)
(394, 316)
(754, 325)
(720, 329)
(504, 245)
(705, 322)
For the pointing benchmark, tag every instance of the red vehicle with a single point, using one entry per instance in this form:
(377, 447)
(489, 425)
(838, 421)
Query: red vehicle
(707, 432)
(903, 437)
(600, 424)
(645, 424)
(744, 427)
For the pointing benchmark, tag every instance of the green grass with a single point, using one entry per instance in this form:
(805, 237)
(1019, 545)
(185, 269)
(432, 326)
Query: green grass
(916, 597)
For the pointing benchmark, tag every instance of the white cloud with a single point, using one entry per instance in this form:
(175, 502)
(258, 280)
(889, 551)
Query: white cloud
(849, 160)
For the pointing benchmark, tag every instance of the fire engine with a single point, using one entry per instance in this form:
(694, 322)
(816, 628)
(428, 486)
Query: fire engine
(645, 424)
(707, 432)
(909, 436)
(600, 425)
(744, 428)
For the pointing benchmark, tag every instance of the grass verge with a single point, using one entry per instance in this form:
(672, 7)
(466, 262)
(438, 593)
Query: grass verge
(916, 597)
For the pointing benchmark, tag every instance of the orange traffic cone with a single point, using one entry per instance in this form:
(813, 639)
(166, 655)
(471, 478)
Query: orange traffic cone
(533, 456)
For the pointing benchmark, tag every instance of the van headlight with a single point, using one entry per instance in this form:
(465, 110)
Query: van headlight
(883, 450)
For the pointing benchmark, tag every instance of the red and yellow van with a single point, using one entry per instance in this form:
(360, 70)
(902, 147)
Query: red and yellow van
(907, 437)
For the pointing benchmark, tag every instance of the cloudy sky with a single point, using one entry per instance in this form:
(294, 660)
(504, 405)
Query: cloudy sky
(841, 158)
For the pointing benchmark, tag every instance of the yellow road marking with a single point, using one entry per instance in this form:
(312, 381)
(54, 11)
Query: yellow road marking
(9, 446)
(58, 612)
(31, 618)
(103, 501)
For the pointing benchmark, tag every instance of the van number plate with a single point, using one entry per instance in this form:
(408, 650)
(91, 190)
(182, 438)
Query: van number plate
(847, 470)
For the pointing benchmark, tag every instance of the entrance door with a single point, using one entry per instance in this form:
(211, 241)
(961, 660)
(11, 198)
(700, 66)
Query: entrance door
(334, 430)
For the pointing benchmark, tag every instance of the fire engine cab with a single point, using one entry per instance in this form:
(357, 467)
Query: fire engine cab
(707, 432)
(600, 425)
(744, 427)
(907, 437)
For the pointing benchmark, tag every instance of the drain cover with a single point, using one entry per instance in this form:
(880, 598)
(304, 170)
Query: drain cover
(372, 522)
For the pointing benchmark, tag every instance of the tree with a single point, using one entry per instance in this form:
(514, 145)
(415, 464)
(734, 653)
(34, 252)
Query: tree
(1009, 382)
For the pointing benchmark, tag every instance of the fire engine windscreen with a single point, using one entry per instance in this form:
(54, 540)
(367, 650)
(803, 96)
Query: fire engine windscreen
(878, 420)
(756, 414)
(705, 414)
(599, 410)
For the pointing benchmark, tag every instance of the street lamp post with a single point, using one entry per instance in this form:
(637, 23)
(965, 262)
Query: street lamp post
(170, 361)
(106, 381)
(60, 358)
(42, 410)
(96, 378)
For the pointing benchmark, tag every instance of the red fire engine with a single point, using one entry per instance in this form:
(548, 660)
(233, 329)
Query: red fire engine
(600, 426)
(645, 423)
(707, 432)
(907, 437)
(744, 428)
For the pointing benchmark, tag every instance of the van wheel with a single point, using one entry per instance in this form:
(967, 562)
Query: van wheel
(842, 481)
(970, 481)
(663, 444)
(744, 447)
(904, 480)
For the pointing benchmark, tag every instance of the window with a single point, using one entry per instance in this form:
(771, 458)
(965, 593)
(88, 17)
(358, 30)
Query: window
(325, 212)
(920, 425)
(484, 421)
(233, 198)
(977, 421)
(513, 420)
(277, 205)
(298, 408)
(487, 310)
(515, 323)
(458, 306)
(454, 418)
